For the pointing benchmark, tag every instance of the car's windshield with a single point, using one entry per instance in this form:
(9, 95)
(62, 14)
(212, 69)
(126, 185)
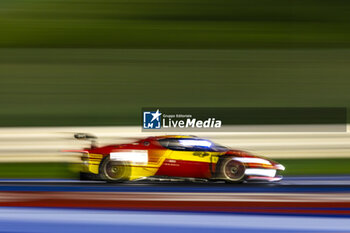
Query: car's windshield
(191, 144)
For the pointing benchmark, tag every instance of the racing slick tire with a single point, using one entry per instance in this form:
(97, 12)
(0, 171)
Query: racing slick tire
(114, 171)
(231, 171)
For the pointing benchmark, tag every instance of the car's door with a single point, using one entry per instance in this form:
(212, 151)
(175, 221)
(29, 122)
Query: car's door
(189, 158)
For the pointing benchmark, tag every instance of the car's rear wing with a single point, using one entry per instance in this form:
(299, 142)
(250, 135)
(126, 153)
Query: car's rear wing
(86, 136)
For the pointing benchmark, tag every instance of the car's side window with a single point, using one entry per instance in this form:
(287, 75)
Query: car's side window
(186, 144)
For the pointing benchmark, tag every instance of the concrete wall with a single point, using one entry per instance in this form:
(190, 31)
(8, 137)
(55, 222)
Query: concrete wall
(45, 144)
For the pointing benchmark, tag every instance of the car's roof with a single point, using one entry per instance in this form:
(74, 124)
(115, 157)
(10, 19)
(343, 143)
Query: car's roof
(172, 136)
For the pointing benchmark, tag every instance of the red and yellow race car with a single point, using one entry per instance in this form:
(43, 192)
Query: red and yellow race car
(174, 157)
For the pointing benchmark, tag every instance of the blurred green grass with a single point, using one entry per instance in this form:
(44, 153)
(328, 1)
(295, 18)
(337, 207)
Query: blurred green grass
(37, 170)
(175, 23)
(88, 62)
(294, 167)
(318, 166)
(57, 87)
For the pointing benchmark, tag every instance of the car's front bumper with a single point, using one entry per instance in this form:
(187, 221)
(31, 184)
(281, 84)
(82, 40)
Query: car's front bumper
(265, 174)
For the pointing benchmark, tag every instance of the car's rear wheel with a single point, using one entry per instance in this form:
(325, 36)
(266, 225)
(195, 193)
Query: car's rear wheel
(114, 171)
(232, 171)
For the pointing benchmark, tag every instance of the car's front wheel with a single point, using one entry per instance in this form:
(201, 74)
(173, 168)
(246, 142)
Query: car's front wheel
(114, 171)
(232, 171)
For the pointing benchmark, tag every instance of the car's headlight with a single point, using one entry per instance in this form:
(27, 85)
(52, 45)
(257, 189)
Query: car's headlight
(280, 167)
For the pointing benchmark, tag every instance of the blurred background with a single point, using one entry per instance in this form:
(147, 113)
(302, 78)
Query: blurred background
(96, 63)
(89, 66)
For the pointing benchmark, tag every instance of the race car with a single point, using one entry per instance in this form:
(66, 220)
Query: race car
(173, 156)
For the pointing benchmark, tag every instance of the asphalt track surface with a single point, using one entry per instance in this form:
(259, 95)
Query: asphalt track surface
(331, 184)
(296, 204)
